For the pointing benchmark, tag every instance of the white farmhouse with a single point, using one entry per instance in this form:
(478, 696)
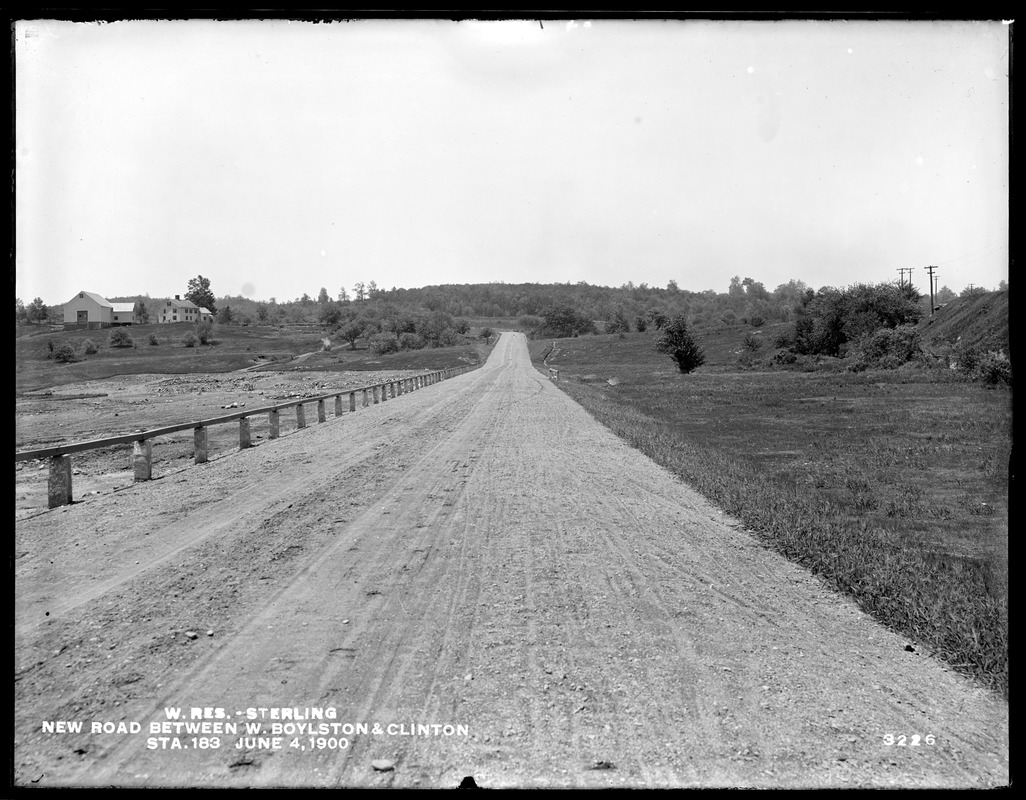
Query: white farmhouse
(179, 310)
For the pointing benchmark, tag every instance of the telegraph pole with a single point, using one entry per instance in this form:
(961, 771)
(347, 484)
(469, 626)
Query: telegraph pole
(930, 270)
(901, 279)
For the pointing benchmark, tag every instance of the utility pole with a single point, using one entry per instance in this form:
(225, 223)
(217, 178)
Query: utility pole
(901, 279)
(930, 269)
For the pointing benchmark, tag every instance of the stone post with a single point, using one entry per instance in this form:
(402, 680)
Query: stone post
(274, 423)
(338, 405)
(142, 460)
(58, 488)
(321, 416)
(300, 416)
(352, 401)
(245, 439)
(199, 445)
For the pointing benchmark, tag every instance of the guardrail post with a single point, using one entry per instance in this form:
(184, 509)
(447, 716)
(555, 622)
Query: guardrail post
(338, 405)
(391, 389)
(245, 440)
(374, 389)
(384, 392)
(273, 423)
(142, 459)
(399, 385)
(321, 416)
(366, 399)
(58, 489)
(199, 445)
(352, 401)
(300, 416)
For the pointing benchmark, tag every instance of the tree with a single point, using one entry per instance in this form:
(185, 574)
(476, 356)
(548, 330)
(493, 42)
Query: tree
(199, 293)
(261, 312)
(141, 312)
(37, 310)
(225, 316)
(342, 296)
(359, 290)
(676, 341)
(322, 296)
(351, 331)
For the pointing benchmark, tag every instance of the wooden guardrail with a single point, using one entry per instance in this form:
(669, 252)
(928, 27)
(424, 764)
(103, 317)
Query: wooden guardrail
(59, 484)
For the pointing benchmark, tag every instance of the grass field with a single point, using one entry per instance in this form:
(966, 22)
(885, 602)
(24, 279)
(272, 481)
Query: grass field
(892, 485)
(235, 347)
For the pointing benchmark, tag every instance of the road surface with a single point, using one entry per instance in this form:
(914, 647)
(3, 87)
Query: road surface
(501, 586)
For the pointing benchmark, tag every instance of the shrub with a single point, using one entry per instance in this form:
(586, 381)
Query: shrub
(991, 368)
(384, 343)
(676, 341)
(751, 342)
(448, 338)
(887, 348)
(205, 331)
(411, 341)
(190, 340)
(89, 347)
(65, 353)
(783, 357)
(756, 321)
(119, 337)
(154, 340)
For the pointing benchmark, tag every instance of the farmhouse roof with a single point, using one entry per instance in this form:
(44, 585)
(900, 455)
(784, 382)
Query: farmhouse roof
(184, 303)
(124, 308)
(95, 298)
(204, 311)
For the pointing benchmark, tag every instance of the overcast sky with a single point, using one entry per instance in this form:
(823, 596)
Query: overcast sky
(276, 158)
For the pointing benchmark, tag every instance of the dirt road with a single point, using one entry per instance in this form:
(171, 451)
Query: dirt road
(486, 574)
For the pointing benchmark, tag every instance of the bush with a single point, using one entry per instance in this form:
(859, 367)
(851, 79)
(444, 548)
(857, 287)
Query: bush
(89, 347)
(448, 338)
(384, 343)
(411, 341)
(991, 368)
(119, 337)
(756, 321)
(751, 342)
(154, 340)
(205, 331)
(190, 340)
(783, 357)
(65, 353)
(677, 342)
(887, 348)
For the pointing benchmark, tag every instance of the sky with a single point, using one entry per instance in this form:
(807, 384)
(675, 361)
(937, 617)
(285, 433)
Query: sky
(276, 158)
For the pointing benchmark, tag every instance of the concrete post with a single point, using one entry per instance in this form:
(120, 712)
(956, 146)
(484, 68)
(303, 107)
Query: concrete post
(300, 416)
(321, 415)
(338, 405)
(58, 489)
(352, 401)
(245, 439)
(273, 423)
(142, 460)
(384, 392)
(375, 390)
(199, 445)
(366, 399)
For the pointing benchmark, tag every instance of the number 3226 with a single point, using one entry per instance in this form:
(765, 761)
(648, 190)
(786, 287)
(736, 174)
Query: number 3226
(908, 741)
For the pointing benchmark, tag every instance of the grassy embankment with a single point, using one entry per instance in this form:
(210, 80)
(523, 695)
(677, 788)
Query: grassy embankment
(892, 486)
(235, 347)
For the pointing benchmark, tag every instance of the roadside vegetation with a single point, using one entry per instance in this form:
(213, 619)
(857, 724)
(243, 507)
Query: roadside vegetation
(889, 483)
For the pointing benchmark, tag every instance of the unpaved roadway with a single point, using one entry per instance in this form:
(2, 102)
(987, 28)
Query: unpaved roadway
(478, 554)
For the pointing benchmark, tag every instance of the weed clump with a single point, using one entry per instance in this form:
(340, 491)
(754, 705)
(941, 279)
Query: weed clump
(190, 339)
(89, 347)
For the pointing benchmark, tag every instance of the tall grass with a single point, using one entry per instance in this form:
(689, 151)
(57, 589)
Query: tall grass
(891, 486)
